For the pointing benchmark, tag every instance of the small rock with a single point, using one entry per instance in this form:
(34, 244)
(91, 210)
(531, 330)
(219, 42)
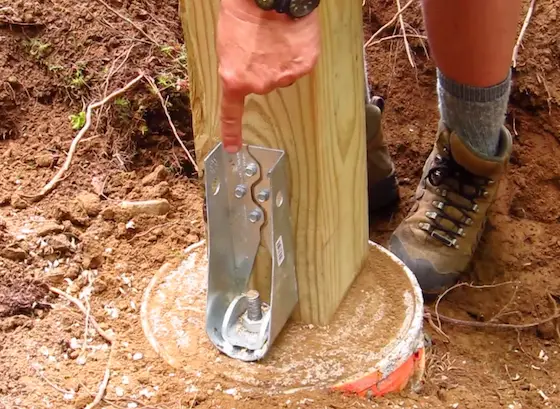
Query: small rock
(159, 174)
(160, 190)
(18, 202)
(100, 286)
(119, 391)
(156, 207)
(108, 213)
(49, 228)
(60, 243)
(82, 401)
(72, 272)
(74, 354)
(143, 377)
(44, 160)
(547, 330)
(4, 200)
(137, 356)
(13, 80)
(90, 203)
(13, 253)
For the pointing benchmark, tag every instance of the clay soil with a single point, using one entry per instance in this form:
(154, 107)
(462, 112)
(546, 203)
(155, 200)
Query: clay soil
(58, 56)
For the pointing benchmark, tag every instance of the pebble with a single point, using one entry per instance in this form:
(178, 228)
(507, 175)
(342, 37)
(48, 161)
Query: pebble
(137, 356)
(44, 160)
(49, 228)
(119, 391)
(18, 202)
(157, 175)
(13, 253)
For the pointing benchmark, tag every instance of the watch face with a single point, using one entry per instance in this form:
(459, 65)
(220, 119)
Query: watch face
(266, 4)
(301, 8)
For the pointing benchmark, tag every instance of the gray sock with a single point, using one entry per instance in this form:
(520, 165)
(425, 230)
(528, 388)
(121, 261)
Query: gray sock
(475, 114)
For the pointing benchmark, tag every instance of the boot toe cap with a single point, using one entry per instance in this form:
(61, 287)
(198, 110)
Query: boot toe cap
(431, 280)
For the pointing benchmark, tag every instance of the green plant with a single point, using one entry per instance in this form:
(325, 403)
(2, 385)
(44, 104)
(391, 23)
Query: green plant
(78, 79)
(78, 121)
(167, 50)
(37, 48)
(165, 80)
(122, 102)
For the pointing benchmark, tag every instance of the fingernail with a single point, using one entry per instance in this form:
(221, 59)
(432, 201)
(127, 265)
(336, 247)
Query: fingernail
(231, 148)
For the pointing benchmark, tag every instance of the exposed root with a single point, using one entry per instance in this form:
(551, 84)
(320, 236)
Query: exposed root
(163, 105)
(132, 23)
(89, 111)
(522, 32)
(396, 36)
(108, 337)
(403, 31)
(103, 387)
(478, 324)
(388, 24)
(555, 315)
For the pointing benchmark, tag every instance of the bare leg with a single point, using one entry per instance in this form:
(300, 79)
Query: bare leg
(471, 42)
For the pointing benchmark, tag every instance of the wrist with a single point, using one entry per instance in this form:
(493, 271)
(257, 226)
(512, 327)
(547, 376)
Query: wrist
(249, 10)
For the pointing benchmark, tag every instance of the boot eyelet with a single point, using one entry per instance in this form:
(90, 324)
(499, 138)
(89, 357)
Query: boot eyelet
(438, 205)
(431, 215)
(475, 208)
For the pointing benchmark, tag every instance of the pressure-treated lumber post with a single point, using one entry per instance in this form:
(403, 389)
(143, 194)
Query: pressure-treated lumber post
(319, 122)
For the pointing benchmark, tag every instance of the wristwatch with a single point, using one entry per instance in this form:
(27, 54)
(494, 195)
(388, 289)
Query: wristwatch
(293, 8)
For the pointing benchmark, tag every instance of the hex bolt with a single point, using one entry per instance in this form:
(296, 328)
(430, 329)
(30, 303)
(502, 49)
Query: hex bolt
(254, 305)
(255, 216)
(251, 169)
(263, 195)
(240, 191)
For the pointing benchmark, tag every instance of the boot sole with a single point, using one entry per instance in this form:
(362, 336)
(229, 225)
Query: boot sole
(384, 193)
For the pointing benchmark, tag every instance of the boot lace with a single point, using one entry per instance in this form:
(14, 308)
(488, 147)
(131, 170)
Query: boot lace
(458, 191)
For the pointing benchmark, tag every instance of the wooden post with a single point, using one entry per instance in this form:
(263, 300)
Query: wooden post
(319, 122)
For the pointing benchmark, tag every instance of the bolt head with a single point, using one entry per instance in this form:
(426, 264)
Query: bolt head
(240, 191)
(251, 170)
(263, 196)
(255, 216)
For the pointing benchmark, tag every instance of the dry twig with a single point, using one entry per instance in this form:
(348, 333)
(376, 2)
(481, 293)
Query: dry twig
(136, 26)
(478, 324)
(89, 111)
(522, 32)
(163, 105)
(403, 31)
(488, 324)
(388, 24)
(109, 338)
(105, 382)
(393, 37)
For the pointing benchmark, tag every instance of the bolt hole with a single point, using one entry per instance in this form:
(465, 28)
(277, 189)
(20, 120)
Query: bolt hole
(279, 199)
(215, 186)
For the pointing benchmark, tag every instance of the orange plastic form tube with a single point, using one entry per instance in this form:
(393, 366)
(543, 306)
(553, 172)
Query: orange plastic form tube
(374, 384)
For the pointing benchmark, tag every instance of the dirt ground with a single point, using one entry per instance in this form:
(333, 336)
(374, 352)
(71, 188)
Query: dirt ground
(59, 55)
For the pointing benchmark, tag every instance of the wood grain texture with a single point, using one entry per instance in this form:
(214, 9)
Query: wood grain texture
(319, 122)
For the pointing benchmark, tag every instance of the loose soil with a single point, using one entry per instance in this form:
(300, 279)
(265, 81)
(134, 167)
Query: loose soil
(59, 55)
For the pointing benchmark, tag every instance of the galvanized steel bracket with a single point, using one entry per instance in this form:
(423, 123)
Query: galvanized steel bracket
(246, 200)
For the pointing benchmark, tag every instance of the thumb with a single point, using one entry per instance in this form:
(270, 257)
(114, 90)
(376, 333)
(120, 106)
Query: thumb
(231, 115)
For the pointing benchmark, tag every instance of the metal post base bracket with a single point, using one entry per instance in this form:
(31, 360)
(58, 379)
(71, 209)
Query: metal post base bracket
(246, 199)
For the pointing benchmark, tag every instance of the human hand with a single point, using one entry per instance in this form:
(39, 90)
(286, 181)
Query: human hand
(259, 51)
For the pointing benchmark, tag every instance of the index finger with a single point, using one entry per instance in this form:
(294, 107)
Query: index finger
(231, 117)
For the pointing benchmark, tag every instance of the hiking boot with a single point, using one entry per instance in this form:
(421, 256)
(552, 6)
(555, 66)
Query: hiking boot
(439, 236)
(383, 189)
